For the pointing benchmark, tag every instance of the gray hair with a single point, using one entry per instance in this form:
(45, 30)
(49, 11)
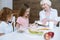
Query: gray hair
(46, 1)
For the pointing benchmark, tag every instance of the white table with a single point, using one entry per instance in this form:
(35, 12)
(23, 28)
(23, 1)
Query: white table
(28, 36)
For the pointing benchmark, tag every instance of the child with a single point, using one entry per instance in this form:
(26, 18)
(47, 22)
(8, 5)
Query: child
(4, 21)
(23, 19)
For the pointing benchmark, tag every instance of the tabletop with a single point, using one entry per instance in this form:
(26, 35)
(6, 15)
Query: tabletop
(27, 36)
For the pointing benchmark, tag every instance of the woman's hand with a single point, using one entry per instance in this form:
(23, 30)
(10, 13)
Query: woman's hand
(44, 20)
(55, 22)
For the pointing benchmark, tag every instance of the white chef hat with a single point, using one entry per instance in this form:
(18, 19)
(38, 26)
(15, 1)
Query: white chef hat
(45, 1)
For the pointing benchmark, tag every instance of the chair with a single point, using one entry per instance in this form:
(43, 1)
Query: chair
(58, 19)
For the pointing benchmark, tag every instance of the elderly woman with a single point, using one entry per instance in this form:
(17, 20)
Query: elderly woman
(48, 14)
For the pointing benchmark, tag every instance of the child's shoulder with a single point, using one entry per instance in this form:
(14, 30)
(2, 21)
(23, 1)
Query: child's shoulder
(3, 24)
(19, 17)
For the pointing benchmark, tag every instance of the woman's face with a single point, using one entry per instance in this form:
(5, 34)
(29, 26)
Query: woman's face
(27, 12)
(45, 6)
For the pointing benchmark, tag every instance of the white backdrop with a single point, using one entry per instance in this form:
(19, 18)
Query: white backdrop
(6, 3)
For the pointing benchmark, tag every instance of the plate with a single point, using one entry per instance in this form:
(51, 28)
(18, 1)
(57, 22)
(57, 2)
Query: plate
(36, 32)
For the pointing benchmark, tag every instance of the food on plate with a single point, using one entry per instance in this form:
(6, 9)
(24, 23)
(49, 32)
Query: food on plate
(44, 29)
(35, 32)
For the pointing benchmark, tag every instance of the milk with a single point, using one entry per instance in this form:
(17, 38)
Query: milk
(51, 25)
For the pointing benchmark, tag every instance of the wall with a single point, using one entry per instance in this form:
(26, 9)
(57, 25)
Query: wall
(6, 3)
